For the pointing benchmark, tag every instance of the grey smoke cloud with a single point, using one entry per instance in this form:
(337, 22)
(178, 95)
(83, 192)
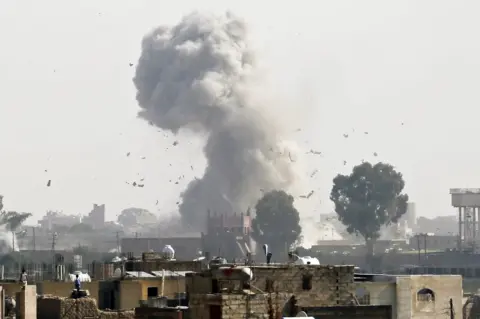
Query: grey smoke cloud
(197, 75)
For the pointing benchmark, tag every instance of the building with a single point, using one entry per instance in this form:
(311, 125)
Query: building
(55, 219)
(276, 291)
(96, 218)
(412, 296)
(229, 235)
(186, 248)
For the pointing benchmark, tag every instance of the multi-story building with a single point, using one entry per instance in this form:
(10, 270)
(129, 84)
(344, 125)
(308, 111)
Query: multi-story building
(96, 218)
(52, 219)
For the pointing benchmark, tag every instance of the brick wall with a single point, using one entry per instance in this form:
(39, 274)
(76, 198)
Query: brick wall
(52, 307)
(159, 264)
(329, 286)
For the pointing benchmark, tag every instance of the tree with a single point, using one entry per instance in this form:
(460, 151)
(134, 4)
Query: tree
(277, 222)
(12, 220)
(368, 198)
(136, 216)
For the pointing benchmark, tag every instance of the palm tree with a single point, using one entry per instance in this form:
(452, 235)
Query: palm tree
(12, 220)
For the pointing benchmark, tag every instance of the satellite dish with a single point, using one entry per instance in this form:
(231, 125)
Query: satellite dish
(301, 314)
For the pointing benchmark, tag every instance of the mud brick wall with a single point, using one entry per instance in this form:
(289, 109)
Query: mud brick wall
(52, 307)
(330, 285)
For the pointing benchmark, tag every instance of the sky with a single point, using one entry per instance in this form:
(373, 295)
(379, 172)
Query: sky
(406, 72)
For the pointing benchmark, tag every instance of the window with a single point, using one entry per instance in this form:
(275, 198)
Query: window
(215, 287)
(152, 292)
(425, 295)
(364, 300)
(363, 296)
(425, 300)
(307, 282)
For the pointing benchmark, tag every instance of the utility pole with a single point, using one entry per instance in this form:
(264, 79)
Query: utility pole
(34, 240)
(418, 246)
(13, 241)
(425, 244)
(54, 241)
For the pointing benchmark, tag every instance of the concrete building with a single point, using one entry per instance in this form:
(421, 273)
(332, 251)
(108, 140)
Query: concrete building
(185, 247)
(413, 296)
(229, 235)
(96, 218)
(276, 291)
(52, 219)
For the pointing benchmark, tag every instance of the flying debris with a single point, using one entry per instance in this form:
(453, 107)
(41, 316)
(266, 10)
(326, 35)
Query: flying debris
(308, 195)
(290, 157)
(175, 143)
(143, 157)
(49, 183)
(375, 154)
(314, 172)
(366, 133)
(156, 203)
(345, 135)
(344, 162)
(128, 154)
(130, 64)
(314, 152)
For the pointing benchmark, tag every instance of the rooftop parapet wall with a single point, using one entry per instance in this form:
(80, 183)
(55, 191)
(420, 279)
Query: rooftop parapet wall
(52, 307)
(312, 286)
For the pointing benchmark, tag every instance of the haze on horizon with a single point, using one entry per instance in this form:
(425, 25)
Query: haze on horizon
(406, 73)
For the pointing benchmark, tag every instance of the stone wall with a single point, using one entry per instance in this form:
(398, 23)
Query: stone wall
(330, 285)
(270, 291)
(52, 307)
(233, 306)
(149, 265)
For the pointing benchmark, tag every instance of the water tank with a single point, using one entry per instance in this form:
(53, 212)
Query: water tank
(168, 252)
(234, 273)
(307, 260)
(84, 277)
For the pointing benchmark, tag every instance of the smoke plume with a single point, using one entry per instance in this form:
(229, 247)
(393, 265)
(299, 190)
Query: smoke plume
(198, 76)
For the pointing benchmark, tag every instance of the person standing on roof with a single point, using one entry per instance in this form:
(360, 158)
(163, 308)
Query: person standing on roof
(77, 283)
(23, 278)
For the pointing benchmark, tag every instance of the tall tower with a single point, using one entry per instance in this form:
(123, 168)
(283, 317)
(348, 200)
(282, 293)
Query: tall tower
(467, 201)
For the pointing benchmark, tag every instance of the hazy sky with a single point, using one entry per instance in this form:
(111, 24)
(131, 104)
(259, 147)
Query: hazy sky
(67, 101)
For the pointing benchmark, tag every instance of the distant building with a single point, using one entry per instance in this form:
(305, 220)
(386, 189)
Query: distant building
(52, 219)
(229, 235)
(96, 218)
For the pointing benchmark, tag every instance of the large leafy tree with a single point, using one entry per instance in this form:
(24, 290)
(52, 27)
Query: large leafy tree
(369, 198)
(277, 222)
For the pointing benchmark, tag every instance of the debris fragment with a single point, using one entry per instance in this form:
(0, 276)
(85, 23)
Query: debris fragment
(308, 195)
(49, 183)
